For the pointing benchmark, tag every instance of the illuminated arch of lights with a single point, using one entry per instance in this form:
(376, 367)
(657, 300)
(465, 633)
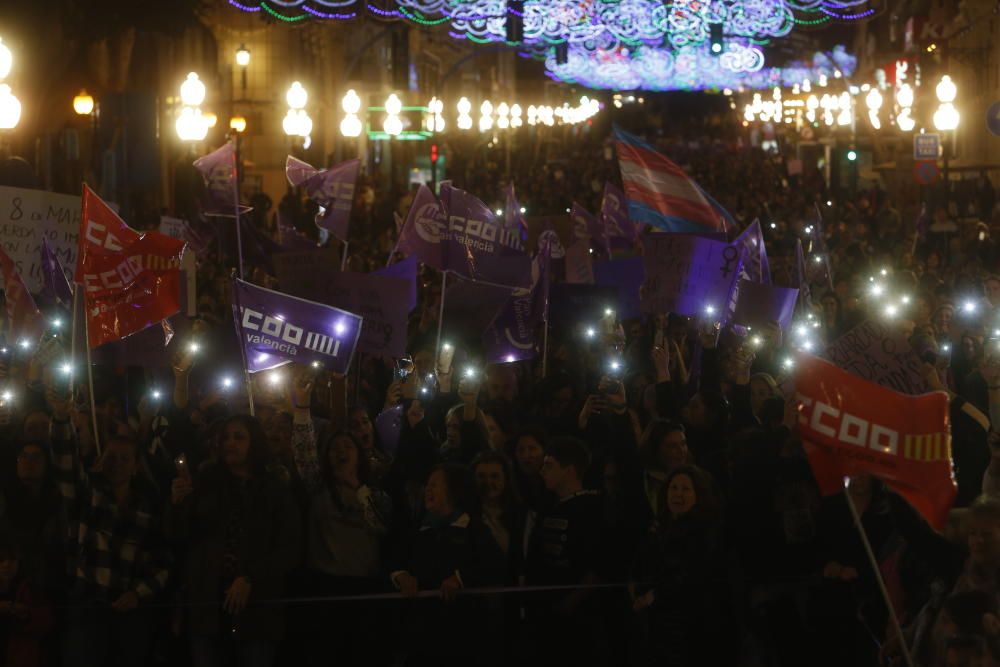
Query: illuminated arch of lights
(690, 68)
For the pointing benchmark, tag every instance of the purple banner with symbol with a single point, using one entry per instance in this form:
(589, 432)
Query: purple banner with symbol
(422, 231)
(621, 232)
(688, 275)
(332, 189)
(586, 225)
(277, 329)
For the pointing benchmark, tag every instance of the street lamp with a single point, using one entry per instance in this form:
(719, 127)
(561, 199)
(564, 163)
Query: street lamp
(242, 56)
(464, 120)
(297, 122)
(874, 102)
(83, 103)
(392, 125)
(351, 104)
(946, 120)
(6, 60)
(10, 108)
(238, 124)
(191, 124)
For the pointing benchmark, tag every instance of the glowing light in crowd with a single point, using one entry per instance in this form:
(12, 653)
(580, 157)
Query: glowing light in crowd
(350, 126)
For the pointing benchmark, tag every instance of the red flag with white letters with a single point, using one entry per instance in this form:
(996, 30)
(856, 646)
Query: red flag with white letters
(26, 322)
(850, 426)
(130, 281)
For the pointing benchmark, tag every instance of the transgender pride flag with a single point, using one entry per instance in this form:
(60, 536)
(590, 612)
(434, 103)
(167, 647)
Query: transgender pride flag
(661, 194)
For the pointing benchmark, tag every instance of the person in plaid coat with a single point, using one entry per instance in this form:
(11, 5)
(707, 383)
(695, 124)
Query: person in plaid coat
(117, 557)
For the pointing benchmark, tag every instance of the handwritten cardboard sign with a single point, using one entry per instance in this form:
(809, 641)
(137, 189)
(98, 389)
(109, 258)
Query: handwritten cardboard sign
(685, 274)
(880, 354)
(27, 217)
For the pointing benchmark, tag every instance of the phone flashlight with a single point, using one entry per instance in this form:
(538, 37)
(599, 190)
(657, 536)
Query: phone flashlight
(155, 394)
(982, 236)
(946, 348)
(274, 378)
(969, 307)
(315, 364)
(891, 310)
(590, 332)
(788, 363)
(756, 341)
(226, 382)
(56, 323)
(710, 310)
(608, 312)
(193, 347)
(7, 395)
(445, 346)
(470, 372)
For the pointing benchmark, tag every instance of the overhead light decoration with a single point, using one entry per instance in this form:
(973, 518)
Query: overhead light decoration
(350, 126)
(464, 120)
(486, 116)
(392, 124)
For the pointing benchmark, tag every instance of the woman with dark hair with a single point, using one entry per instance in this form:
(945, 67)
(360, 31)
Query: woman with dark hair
(832, 317)
(682, 556)
(528, 455)
(450, 551)
(345, 525)
(361, 427)
(240, 524)
(503, 513)
(662, 448)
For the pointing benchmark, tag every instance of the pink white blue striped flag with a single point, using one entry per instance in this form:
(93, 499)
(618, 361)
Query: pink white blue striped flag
(661, 194)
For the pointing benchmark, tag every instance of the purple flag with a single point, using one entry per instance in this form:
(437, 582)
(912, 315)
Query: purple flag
(382, 302)
(55, 286)
(512, 213)
(406, 269)
(480, 248)
(620, 231)
(755, 264)
(804, 304)
(276, 329)
(423, 229)
(627, 274)
(511, 336)
(759, 304)
(218, 168)
(332, 189)
(586, 224)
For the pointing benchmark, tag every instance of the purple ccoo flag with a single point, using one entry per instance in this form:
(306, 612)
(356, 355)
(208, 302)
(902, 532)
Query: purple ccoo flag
(332, 189)
(407, 270)
(583, 220)
(55, 286)
(276, 329)
(421, 232)
(218, 168)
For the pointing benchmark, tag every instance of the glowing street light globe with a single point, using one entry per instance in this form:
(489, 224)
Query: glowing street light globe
(6, 60)
(10, 108)
(946, 118)
(393, 105)
(350, 126)
(464, 106)
(242, 56)
(946, 90)
(83, 104)
(191, 125)
(238, 123)
(874, 99)
(192, 91)
(351, 103)
(393, 126)
(296, 96)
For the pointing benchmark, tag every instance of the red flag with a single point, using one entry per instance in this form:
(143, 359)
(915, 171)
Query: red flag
(853, 427)
(130, 281)
(26, 322)
(101, 232)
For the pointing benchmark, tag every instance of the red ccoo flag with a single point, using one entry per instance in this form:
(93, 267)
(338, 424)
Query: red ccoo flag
(850, 426)
(130, 281)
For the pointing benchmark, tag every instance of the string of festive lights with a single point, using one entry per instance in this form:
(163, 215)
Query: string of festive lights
(690, 68)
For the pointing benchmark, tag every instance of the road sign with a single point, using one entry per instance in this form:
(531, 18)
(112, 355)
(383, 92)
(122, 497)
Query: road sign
(993, 118)
(926, 146)
(926, 172)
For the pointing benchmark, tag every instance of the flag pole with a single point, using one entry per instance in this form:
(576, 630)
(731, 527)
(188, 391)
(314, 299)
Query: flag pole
(878, 575)
(72, 338)
(343, 256)
(236, 210)
(395, 248)
(437, 345)
(90, 386)
(545, 349)
(243, 352)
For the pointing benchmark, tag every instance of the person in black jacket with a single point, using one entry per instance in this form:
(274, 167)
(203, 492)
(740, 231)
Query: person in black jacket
(450, 551)
(565, 550)
(681, 556)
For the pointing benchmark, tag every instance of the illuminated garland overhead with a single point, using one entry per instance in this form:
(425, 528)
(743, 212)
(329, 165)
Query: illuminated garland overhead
(691, 68)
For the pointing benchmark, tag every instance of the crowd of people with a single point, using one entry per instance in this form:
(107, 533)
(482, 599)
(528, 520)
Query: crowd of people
(519, 514)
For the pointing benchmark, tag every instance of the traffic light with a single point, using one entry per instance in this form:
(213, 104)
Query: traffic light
(515, 21)
(715, 38)
(434, 153)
